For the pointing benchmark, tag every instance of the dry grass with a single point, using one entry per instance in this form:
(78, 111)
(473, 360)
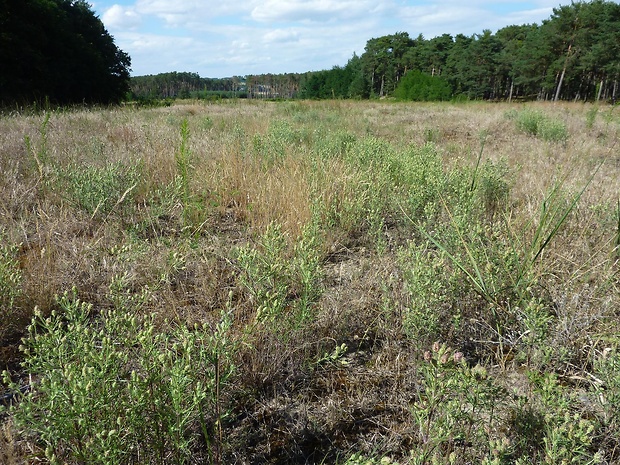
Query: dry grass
(255, 164)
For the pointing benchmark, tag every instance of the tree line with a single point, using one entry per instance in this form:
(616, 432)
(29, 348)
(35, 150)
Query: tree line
(573, 55)
(184, 85)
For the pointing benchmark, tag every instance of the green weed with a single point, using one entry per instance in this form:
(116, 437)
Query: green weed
(422, 269)
(455, 411)
(591, 117)
(40, 154)
(536, 123)
(99, 191)
(10, 283)
(114, 389)
(278, 281)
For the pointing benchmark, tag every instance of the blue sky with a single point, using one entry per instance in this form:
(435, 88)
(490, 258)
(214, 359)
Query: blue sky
(222, 38)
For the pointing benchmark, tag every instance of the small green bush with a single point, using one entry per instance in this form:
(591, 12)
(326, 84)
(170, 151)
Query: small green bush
(115, 389)
(99, 190)
(272, 275)
(538, 124)
(421, 87)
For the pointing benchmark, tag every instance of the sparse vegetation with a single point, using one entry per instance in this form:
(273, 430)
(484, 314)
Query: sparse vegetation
(310, 282)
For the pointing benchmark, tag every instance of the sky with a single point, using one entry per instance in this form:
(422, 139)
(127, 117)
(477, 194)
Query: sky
(224, 38)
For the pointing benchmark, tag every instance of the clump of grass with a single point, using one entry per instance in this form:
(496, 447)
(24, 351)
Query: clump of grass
(591, 117)
(100, 190)
(272, 275)
(536, 123)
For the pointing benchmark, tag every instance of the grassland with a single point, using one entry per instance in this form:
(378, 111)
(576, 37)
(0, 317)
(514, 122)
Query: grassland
(311, 282)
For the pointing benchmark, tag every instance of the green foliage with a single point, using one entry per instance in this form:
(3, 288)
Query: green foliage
(422, 267)
(59, 50)
(420, 87)
(40, 154)
(114, 389)
(359, 459)
(454, 413)
(616, 242)
(273, 147)
(100, 190)
(10, 283)
(536, 123)
(194, 211)
(492, 187)
(567, 436)
(591, 116)
(607, 366)
(271, 275)
(423, 175)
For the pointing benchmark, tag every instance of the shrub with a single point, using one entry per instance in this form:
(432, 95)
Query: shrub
(422, 87)
(538, 124)
(99, 190)
(271, 275)
(114, 389)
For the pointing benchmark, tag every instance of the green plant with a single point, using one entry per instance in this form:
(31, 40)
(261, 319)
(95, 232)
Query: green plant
(454, 412)
(591, 117)
(194, 212)
(183, 159)
(536, 123)
(607, 366)
(272, 277)
(528, 121)
(536, 322)
(568, 436)
(492, 188)
(98, 191)
(421, 87)
(265, 273)
(360, 459)
(616, 242)
(422, 270)
(307, 270)
(114, 389)
(506, 271)
(552, 130)
(40, 154)
(10, 283)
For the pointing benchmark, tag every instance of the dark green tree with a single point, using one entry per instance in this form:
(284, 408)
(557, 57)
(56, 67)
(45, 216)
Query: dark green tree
(384, 61)
(510, 75)
(58, 50)
(433, 54)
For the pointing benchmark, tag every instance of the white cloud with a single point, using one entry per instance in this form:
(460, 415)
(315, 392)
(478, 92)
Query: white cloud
(281, 35)
(122, 18)
(312, 10)
(530, 16)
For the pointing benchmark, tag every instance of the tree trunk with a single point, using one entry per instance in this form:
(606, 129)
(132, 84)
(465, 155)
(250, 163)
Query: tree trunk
(512, 85)
(557, 92)
(600, 90)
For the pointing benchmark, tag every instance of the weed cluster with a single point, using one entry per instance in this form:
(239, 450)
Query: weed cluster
(536, 123)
